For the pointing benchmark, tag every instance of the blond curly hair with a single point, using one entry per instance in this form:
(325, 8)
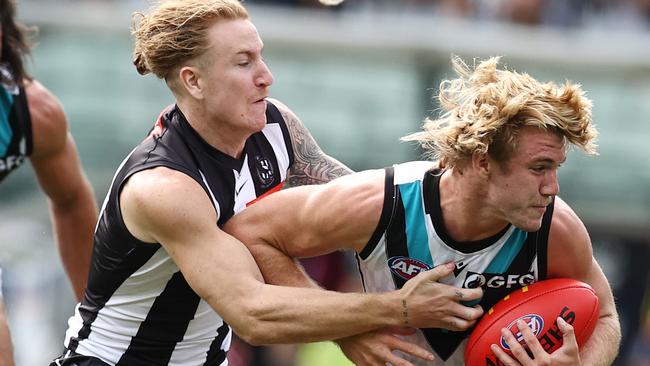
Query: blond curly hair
(485, 107)
(175, 31)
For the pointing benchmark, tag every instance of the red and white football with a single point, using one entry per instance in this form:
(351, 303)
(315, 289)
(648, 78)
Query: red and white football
(539, 305)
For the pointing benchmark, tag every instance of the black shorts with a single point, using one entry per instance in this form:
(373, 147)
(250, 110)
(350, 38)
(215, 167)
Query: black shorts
(69, 358)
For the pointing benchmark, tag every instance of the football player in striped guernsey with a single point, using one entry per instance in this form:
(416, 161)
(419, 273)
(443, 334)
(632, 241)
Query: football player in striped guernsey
(167, 286)
(488, 202)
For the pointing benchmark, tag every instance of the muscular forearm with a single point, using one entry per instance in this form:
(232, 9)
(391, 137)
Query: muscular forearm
(74, 224)
(602, 346)
(263, 313)
(280, 269)
(286, 315)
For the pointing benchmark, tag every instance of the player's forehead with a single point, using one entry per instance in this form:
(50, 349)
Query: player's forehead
(537, 144)
(235, 36)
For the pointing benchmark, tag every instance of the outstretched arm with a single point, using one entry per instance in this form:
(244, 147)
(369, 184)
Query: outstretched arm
(312, 165)
(70, 196)
(220, 269)
(314, 220)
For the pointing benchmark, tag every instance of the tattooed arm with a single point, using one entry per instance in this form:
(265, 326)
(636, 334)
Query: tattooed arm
(311, 165)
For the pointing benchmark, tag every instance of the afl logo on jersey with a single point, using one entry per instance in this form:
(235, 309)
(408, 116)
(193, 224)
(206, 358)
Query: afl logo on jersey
(264, 171)
(406, 267)
(534, 322)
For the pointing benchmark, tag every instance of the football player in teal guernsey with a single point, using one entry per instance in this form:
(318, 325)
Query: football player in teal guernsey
(488, 202)
(33, 126)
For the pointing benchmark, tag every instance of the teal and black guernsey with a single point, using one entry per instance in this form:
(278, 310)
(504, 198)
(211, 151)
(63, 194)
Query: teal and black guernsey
(411, 237)
(15, 126)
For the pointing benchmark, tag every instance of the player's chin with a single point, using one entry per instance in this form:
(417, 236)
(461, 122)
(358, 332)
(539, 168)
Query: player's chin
(530, 224)
(256, 122)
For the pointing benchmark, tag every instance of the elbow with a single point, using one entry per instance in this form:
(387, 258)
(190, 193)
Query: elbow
(254, 331)
(252, 326)
(252, 337)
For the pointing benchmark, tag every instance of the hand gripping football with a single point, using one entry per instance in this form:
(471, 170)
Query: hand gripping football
(538, 305)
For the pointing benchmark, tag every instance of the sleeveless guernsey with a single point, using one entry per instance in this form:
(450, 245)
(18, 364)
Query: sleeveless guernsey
(411, 238)
(138, 308)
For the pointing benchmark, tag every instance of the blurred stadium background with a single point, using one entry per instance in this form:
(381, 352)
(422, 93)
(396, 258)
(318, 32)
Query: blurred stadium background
(360, 76)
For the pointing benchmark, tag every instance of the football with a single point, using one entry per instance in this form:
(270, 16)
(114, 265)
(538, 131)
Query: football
(538, 305)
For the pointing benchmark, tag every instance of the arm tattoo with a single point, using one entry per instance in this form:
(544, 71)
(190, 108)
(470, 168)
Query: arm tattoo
(311, 165)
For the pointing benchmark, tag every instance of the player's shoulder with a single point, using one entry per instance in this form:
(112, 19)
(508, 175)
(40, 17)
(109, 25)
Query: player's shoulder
(149, 192)
(569, 245)
(149, 181)
(49, 125)
(44, 107)
(565, 222)
(161, 189)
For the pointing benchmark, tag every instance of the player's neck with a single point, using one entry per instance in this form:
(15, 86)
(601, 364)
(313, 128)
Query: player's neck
(465, 215)
(221, 136)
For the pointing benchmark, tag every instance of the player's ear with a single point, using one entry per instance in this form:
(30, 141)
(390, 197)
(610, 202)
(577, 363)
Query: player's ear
(481, 164)
(189, 80)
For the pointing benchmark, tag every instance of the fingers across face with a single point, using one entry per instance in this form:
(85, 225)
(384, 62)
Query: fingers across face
(517, 350)
(530, 339)
(502, 356)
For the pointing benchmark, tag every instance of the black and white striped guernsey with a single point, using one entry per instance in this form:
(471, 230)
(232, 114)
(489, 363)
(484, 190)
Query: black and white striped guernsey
(138, 309)
(411, 237)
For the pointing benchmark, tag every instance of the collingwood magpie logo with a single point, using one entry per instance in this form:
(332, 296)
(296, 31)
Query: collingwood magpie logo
(497, 280)
(264, 171)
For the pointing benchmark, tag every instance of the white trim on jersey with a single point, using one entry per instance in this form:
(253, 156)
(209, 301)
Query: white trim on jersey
(411, 171)
(22, 146)
(214, 200)
(244, 187)
(273, 133)
(110, 188)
